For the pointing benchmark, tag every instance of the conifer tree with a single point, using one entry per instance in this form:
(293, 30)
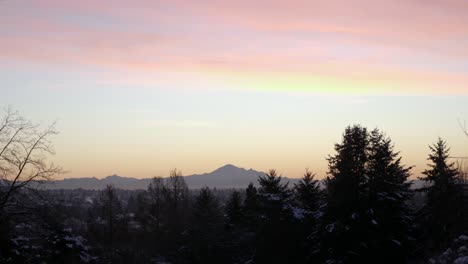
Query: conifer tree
(276, 233)
(206, 210)
(251, 198)
(274, 197)
(346, 177)
(308, 192)
(444, 198)
(367, 189)
(251, 206)
(346, 195)
(234, 210)
(207, 228)
(309, 199)
(271, 184)
(388, 190)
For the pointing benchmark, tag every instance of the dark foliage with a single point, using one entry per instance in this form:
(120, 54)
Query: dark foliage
(366, 218)
(308, 192)
(234, 210)
(443, 213)
(361, 213)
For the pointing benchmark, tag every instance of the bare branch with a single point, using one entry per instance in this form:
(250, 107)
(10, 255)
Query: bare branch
(463, 127)
(23, 155)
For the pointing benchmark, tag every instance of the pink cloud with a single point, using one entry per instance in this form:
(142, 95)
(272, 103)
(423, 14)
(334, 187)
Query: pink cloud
(363, 40)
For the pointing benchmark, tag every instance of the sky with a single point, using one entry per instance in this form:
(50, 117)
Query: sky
(140, 87)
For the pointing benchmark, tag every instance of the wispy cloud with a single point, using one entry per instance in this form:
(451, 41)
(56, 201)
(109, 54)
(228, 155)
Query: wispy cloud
(389, 46)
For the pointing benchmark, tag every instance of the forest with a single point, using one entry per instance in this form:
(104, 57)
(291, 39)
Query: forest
(365, 211)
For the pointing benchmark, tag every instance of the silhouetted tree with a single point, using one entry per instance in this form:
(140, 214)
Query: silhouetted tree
(206, 210)
(207, 229)
(443, 210)
(251, 206)
(388, 190)
(308, 192)
(367, 189)
(24, 150)
(234, 210)
(156, 193)
(309, 199)
(270, 184)
(142, 211)
(111, 211)
(276, 231)
(346, 177)
(177, 199)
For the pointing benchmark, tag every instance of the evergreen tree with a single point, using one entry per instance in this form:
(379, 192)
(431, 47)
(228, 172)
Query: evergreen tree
(234, 210)
(276, 232)
(346, 195)
(346, 177)
(444, 198)
(309, 200)
(270, 184)
(206, 210)
(241, 217)
(367, 189)
(308, 192)
(207, 229)
(388, 190)
(274, 197)
(251, 207)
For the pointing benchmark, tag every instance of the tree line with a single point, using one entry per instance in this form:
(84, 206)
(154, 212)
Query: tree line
(362, 212)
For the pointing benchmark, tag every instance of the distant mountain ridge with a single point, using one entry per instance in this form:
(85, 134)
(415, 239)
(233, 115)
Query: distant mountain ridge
(227, 176)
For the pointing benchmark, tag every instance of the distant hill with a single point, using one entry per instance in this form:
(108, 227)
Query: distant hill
(228, 176)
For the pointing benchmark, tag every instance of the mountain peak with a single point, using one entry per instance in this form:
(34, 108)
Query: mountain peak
(115, 177)
(228, 168)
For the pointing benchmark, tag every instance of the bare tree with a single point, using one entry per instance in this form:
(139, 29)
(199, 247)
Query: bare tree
(111, 210)
(177, 197)
(462, 163)
(24, 149)
(156, 191)
(177, 187)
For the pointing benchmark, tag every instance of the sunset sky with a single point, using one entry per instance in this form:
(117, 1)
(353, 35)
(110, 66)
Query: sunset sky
(140, 87)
